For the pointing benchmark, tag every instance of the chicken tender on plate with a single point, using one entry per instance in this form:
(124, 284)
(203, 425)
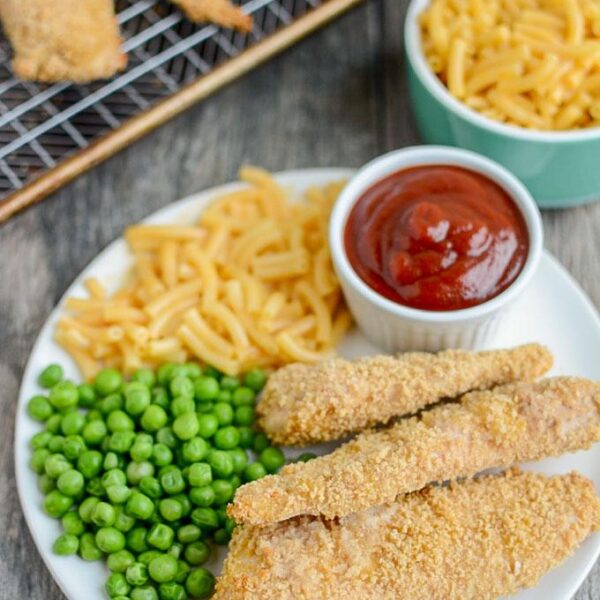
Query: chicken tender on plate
(304, 404)
(495, 428)
(221, 12)
(70, 40)
(477, 540)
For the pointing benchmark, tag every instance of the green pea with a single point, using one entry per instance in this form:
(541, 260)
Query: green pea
(186, 506)
(230, 525)
(151, 487)
(118, 420)
(194, 450)
(141, 451)
(66, 544)
(137, 574)
(40, 439)
(94, 432)
(140, 506)
(154, 418)
(50, 376)
(46, 484)
(208, 425)
(70, 482)
(224, 396)
(181, 405)
(202, 496)
(114, 477)
(189, 533)
(160, 536)
(87, 395)
(206, 388)
(227, 438)
(223, 491)
(53, 423)
(118, 494)
(110, 403)
(221, 537)
(306, 456)
(136, 540)
(229, 383)
(182, 386)
(235, 480)
(221, 463)
(72, 423)
(86, 509)
(111, 461)
(272, 459)
(199, 474)
(146, 557)
(88, 550)
(172, 591)
(170, 509)
(145, 376)
(55, 465)
(121, 441)
(260, 442)
(239, 458)
(120, 561)
(94, 487)
(161, 455)
(117, 585)
(123, 522)
(39, 408)
(200, 583)
(89, 463)
(38, 459)
(137, 471)
(73, 447)
(110, 540)
(196, 553)
(254, 471)
(55, 445)
(255, 379)
(172, 480)
(73, 524)
(103, 514)
(145, 592)
(186, 426)
(137, 398)
(224, 413)
(243, 396)
(160, 397)
(244, 416)
(163, 568)
(205, 518)
(108, 381)
(203, 408)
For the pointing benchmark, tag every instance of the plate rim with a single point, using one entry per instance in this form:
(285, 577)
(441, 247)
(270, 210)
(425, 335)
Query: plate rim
(286, 178)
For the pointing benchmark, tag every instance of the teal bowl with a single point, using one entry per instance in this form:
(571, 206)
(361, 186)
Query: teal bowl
(560, 169)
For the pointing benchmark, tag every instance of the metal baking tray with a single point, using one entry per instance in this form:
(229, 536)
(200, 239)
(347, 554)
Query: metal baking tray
(49, 134)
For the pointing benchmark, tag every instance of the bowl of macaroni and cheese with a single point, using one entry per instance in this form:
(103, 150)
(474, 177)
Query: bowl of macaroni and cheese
(517, 82)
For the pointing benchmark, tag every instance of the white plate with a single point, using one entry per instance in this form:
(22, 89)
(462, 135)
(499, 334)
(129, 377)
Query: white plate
(553, 311)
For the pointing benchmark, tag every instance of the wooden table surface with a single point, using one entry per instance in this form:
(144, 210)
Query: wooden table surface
(337, 99)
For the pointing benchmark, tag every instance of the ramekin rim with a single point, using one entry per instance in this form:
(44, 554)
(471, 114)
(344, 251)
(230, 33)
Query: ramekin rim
(386, 164)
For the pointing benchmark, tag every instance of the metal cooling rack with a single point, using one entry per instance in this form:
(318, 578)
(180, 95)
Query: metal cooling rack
(42, 125)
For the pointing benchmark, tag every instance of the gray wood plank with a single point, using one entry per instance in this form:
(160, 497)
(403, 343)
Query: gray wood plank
(337, 99)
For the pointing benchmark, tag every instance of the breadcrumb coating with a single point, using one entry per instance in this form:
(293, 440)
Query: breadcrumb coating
(221, 12)
(477, 540)
(304, 404)
(495, 428)
(70, 40)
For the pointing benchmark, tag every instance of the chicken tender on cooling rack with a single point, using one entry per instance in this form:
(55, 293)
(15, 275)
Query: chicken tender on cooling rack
(304, 404)
(496, 428)
(70, 40)
(478, 540)
(221, 12)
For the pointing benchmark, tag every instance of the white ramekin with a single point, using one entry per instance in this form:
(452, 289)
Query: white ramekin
(394, 327)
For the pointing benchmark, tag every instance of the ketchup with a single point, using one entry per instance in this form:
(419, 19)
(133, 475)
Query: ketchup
(436, 238)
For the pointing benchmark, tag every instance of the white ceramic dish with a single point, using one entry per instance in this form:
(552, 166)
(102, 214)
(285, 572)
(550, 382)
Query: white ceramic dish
(553, 311)
(395, 327)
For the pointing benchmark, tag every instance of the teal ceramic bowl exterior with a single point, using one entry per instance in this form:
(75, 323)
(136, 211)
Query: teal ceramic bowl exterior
(560, 169)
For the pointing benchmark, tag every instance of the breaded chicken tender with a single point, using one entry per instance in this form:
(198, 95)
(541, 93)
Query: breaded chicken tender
(304, 404)
(477, 540)
(69, 40)
(221, 12)
(496, 428)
